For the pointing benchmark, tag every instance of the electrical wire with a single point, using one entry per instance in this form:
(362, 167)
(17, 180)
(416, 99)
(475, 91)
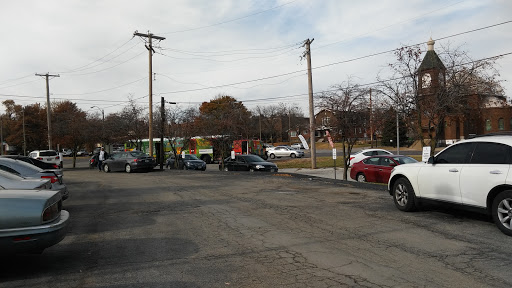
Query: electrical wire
(228, 21)
(99, 91)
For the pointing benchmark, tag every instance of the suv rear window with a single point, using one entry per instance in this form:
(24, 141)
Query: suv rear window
(47, 153)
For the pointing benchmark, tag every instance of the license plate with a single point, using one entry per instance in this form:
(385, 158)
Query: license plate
(49, 159)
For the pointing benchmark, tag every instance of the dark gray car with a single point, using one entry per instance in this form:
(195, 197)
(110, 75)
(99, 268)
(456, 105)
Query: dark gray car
(129, 161)
(26, 170)
(189, 162)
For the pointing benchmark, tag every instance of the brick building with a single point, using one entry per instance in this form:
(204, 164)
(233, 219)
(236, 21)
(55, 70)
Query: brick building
(484, 114)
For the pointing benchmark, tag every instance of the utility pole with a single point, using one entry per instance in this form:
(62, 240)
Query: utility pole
(24, 138)
(149, 46)
(307, 43)
(371, 123)
(48, 108)
(2, 134)
(162, 126)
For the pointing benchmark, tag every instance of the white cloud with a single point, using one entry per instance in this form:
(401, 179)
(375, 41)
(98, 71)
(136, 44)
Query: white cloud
(57, 35)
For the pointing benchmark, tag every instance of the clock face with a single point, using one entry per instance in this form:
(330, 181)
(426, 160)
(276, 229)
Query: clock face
(426, 80)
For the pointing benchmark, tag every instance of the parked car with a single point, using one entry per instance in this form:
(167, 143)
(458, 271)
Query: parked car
(49, 156)
(93, 162)
(248, 163)
(129, 161)
(82, 152)
(360, 155)
(16, 182)
(67, 152)
(190, 162)
(297, 146)
(30, 171)
(284, 151)
(30, 220)
(377, 168)
(472, 174)
(43, 165)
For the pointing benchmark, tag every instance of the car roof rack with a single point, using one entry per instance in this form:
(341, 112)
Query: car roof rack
(503, 133)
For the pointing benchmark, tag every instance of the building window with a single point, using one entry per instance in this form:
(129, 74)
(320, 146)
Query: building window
(501, 124)
(488, 125)
(293, 133)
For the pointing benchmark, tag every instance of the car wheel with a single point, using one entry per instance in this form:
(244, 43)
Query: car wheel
(360, 177)
(106, 168)
(293, 155)
(403, 195)
(128, 168)
(251, 169)
(226, 168)
(272, 156)
(502, 212)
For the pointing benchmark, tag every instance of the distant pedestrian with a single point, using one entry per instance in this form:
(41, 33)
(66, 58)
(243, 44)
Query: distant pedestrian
(102, 157)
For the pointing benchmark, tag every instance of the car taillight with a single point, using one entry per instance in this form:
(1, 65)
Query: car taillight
(57, 157)
(39, 158)
(51, 212)
(55, 166)
(352, 158)
(135, 160)
(53, 179)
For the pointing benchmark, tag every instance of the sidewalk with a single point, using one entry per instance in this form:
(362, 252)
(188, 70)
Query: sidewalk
(319, 172)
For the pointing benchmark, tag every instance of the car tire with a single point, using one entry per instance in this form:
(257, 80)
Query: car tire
(403, 195)
(226, 168)
(251, 169)
(128, 168)
(106, 168)
(502, 212)
(360, 177)
(293, 155)
(272, 156)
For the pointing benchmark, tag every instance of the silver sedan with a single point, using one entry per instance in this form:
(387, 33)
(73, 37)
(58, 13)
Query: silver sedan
(31, 220)
(284, 151)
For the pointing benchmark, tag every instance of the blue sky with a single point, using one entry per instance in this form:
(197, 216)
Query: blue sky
(217, 43)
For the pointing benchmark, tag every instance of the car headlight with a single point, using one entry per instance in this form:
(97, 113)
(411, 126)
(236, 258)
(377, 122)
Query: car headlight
(260, 167)
(188, 163)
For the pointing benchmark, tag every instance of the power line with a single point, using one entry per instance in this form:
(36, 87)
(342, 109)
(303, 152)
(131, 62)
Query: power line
(108, 68)
(81, 68)
(99, 91)
(228, 21)
(334, 63)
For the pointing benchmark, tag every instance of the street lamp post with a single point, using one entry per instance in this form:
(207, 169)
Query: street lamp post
(162, 113)
(102, 124)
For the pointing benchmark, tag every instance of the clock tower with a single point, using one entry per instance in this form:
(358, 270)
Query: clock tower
(431, 73)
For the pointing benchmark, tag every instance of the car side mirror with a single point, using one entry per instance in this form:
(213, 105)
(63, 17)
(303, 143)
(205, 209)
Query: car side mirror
(431, 160)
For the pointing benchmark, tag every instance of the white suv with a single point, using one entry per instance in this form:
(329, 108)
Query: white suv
(472, 173)
(49, 156)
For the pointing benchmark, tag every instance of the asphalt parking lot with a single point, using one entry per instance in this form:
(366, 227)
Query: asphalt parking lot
(177, 228)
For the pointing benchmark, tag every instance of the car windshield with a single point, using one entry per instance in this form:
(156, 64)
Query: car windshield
(253, 158)
(47, 153)
(191, 157)
(405, 160)
(138, 154)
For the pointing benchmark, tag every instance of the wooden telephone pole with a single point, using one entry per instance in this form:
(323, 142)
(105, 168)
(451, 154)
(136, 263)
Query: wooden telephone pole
(149, 46)
(48, 108)
(307, 53)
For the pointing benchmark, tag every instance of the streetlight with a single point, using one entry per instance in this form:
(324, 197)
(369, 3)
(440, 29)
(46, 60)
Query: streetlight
(102, 123)
(162, 114)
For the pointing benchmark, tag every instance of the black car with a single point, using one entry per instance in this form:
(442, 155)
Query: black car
(129, 161)
(248, 163)
(33, 161)
(190, 162)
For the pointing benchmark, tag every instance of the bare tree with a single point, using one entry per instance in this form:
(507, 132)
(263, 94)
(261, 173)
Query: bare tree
(348, 102)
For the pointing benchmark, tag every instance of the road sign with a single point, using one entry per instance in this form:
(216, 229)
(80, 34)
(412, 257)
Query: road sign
(426, 154)
(334, 153)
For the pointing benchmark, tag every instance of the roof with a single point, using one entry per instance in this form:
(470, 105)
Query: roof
(431, 61)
